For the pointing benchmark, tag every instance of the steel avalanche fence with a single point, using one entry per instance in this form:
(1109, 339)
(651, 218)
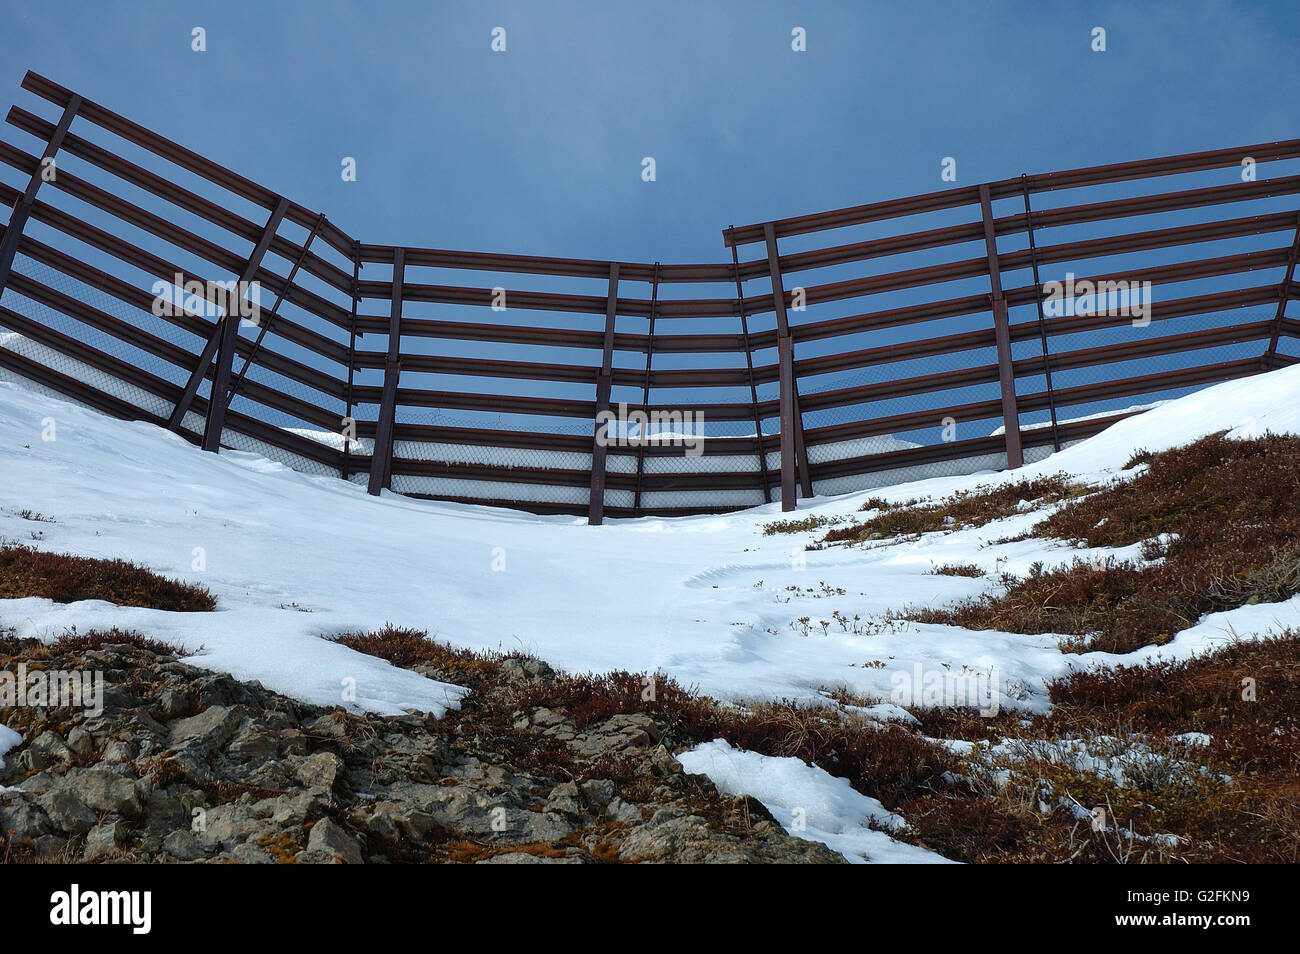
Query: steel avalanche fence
(970, 329)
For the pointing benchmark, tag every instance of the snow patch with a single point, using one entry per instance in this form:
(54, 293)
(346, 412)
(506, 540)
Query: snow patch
(809, 803)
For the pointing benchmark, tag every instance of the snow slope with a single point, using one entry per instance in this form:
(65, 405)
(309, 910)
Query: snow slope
(704, 599)
(709, 600)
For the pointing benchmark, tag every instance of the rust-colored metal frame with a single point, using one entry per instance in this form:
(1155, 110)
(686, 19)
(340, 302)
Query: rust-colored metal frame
(330, 321)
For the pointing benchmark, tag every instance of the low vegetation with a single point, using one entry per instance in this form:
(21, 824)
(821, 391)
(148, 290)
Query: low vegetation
(1008, 789)
(64, 578)
(72, 643)
(967, 508)
(1202, 758)
(410, 648)
(800, 525)
(892, 760)
(1219, 526)
(958, 569)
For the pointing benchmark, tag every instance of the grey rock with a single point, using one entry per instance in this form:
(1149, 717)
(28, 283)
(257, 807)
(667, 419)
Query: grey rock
(182, 845)
(598, 792)
(688, 839)
(592, 798)
(67, 812)
(330, 838)
(80, 741)
(526, 858)
(253, 743)
(625, 812)
(331, 724)
(547, 718)
(229, 825)
(565, 798)
(104, 839)
(119, 750)
(24, 818)
(541, 826)
(320, 772)
(617, 734)
(286, 810)
(251, 854)
(392, 819)
(119, 699)
(172, 704)
(208, 731)
(103, 790)
(52, 746)
(526, 670)
(38, 783)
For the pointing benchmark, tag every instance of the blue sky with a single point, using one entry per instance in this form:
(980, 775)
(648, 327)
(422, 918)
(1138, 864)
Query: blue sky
(538, 149)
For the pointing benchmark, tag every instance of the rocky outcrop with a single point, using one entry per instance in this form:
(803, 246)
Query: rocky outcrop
(187, 765)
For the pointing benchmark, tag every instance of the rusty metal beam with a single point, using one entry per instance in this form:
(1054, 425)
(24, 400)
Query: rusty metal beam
(381, 458)
(791, 416)
(1006, 373)
(338, 343)
(604, 384)
(1042, 319)
(645, 392)
(753, 387)
(185, 158)
(223, 343)
(1270, 356)
(23, 207)
(969, 195)
(271, 316)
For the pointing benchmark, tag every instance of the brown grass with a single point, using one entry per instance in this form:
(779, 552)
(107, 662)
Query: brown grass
(967, 508)
(72, 642)
(958, 569)
(65, 578)
(874, 760)
(1233, 800)
(1221, 517)
(412, 647)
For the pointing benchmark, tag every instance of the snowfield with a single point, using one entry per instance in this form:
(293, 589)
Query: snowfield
(710, 601)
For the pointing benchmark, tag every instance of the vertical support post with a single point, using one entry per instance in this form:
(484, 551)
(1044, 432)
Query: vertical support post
(1042, 319)
(645, 390)
(226, 333)
(23, 207)
(1283, 290)
(604, 385)
(1002, 334)
(749, 366)
(352, 355)
(381, 457)
(792, 457)
(265, 324)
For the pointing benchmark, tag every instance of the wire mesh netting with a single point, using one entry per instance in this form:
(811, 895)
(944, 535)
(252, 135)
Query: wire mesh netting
(896, 360)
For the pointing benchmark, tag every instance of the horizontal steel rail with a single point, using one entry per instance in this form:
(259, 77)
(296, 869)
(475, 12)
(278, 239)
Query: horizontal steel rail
(313, 352)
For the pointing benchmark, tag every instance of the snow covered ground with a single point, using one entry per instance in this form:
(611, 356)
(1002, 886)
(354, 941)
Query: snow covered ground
(708, 600)
(809, 803)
